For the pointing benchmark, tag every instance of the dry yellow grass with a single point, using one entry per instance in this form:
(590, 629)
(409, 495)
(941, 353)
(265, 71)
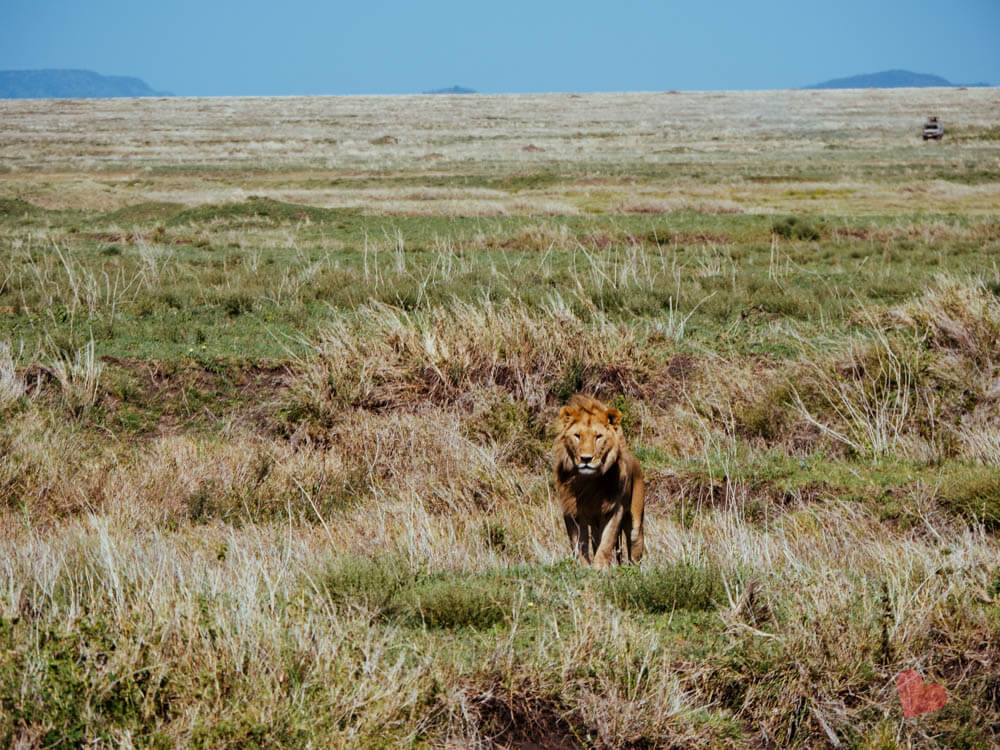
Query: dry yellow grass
(104, 154)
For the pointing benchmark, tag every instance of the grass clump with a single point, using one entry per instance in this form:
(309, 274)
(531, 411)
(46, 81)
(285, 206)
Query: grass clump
(79, 377)
(235, 304)
(768, 416)
(520, 431)
(795, 228)
(957, 317)
(664, 588)
(461, 602)
(863, 398)
(254, 209)
(920, 382)
(975, 495)
(388, 587)
(373, 584)
(387, 357)
(16, 207)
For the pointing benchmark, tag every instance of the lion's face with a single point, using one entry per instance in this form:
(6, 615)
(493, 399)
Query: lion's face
(590, 438)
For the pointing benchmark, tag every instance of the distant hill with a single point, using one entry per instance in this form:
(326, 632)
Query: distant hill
(70, 84)
(887, 79)
(452, 90)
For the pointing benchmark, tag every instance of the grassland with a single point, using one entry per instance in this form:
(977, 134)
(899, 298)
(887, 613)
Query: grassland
(277, 383)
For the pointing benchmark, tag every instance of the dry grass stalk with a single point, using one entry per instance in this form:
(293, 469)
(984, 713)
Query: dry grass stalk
(387, 357)
(869, 393)
(79, 377)
(11, 384)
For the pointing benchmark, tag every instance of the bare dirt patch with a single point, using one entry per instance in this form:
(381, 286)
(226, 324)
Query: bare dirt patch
(526, 720)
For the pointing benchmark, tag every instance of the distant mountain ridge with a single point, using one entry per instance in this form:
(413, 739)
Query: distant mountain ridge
(452, 90)
(889, 79)
(70, 84)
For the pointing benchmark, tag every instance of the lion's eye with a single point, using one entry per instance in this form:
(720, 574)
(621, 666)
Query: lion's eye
(576, 435)
(599, 437)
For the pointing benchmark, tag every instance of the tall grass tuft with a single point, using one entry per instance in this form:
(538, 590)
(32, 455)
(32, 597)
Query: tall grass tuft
(921, 383)
(957, 317)
(795, 228)
(864, 398)
(11, 385)
(79, 377)
(959, 324)
(385, 357)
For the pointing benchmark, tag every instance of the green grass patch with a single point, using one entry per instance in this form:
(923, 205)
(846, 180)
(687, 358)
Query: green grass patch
(665, 587)
(14, 208)
(460, 602)
(374, 584)
(387, 587)
(142, 213)
(76, 687)
(974, 493)
(253, 210)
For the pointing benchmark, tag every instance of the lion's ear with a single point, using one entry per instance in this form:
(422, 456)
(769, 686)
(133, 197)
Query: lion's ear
(614, 417)
(568, 415)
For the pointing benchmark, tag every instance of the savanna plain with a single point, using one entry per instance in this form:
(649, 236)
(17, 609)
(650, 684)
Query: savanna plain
(278, 384)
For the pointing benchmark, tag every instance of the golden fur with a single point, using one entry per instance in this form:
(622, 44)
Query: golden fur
(599, 483)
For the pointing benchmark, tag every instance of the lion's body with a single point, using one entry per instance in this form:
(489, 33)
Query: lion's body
(599, 484)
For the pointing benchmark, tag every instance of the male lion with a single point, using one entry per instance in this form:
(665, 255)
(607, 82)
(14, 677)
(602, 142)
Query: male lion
(599, 483)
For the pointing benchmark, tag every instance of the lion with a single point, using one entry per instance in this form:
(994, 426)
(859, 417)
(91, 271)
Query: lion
(599, 483)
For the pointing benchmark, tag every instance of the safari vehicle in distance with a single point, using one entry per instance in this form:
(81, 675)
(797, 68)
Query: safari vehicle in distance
(933, 129)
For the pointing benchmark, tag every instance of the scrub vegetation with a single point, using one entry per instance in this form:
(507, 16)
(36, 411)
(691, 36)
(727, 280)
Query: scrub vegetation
(278, 381)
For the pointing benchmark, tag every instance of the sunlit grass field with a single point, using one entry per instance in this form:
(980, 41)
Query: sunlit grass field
(278, 380)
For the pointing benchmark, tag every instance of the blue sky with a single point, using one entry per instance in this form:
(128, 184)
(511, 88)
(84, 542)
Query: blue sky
(206, 48)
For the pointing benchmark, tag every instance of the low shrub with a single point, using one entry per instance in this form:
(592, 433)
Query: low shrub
(388, 586)
(520, 430)
(459, 603)
(795, 228)
(373, 584)
(664, 588)
(235, 304)
(767, 417)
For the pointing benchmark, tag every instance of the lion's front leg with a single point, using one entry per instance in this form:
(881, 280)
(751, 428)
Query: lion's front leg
(609, 539)
(637, 542)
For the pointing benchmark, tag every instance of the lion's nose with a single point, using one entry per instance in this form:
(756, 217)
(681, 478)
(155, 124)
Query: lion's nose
(586, 459)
